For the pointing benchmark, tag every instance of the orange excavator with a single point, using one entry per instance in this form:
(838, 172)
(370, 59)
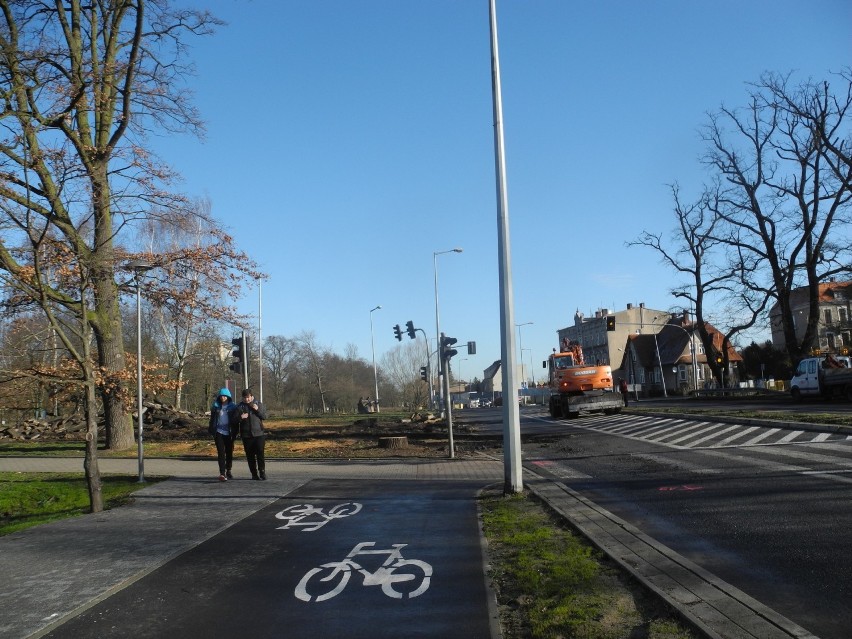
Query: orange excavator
(576, 387)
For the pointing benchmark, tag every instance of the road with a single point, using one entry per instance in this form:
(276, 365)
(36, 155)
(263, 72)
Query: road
(765, 509)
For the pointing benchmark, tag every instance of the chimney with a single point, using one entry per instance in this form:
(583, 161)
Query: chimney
(629, 306)
(641, 304)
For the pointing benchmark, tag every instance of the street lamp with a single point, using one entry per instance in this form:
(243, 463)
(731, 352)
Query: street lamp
(521, 345)
(138, 268)
(461, 379)
(660, 361)
(373, 347)
(435, 255)
(691, 337)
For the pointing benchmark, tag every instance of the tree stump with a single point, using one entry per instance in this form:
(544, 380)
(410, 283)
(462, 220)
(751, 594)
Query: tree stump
(393, 442)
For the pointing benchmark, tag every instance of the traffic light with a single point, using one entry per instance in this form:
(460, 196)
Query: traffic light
(446, 351)
(610, 322)
(409, 327)
(471, 348)
(239, 353)
(424, 373)
(397, 332)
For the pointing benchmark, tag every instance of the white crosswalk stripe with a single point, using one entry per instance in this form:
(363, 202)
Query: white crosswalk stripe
(693, 434)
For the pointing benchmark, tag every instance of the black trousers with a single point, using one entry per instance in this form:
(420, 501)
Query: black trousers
(224, 451)
(254, 454)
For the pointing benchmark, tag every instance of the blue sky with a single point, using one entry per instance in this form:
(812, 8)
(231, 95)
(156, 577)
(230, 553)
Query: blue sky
(348, 140)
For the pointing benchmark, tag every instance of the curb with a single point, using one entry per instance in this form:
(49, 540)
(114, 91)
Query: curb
(711, 606)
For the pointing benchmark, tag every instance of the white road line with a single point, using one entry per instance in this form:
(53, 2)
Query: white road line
(772, 466)
(712, 435)
(790, 437)
(817, 458)
(735, 436)
(683, 438)
(762, 436)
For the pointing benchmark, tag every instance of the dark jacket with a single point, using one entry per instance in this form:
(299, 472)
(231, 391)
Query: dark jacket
(233, 417)
(253, 426)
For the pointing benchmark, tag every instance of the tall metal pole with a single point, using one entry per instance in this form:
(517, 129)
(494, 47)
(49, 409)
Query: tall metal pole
(245, 361)
(512, 469)
(521, 345)
(259, 339)
(373, 348)
(445, 366)
(140, 453)
(660, 361)
(435, 255)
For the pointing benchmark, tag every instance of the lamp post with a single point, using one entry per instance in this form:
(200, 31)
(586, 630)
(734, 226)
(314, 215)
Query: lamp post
(259, 339)
(373, 347)
(435, 255)
(138, 268)
(461, 379)
(521, 345)
(693, 362)
(660, 361)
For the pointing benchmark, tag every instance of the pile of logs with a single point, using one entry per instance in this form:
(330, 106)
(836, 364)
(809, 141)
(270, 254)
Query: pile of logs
(159, 420)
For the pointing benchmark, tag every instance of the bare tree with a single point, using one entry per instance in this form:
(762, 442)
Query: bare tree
(778, 213)
(693, 251)
(279, 355)
(401, 367)
(313, 359)
(784, 208)
(82, 85)
(195, 263)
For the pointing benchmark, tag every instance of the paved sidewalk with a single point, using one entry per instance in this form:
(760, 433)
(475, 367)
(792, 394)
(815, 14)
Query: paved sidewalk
(56, 571)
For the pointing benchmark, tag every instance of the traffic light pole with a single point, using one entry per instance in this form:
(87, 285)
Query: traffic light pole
(448, 400)
(428, 367)
(245, 362)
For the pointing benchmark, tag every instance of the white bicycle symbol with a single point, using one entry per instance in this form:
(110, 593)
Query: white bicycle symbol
(296, 515)
(331, 578)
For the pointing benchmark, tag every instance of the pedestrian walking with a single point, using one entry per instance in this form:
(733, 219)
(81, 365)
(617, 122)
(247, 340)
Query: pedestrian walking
(251, 415)
(223, 426)
(622, 388)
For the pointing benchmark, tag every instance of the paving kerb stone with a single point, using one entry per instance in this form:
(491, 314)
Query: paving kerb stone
(713, 607)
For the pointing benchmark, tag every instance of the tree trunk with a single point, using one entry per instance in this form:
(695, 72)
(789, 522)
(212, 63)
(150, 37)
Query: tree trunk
(106, 320)
(90, 462)
(393, 442)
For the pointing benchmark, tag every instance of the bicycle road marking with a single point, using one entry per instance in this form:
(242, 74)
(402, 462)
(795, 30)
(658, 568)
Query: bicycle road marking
(384, 576)
(297, 513)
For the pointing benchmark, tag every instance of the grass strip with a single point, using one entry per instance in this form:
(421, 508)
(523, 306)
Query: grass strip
(551, 584)
(30, 499)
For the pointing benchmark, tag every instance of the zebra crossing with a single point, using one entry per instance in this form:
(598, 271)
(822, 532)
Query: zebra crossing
(681, 433)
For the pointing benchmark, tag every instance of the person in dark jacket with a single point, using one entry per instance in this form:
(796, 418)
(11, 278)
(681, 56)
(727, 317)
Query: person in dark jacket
(223, 426)
(251, 415)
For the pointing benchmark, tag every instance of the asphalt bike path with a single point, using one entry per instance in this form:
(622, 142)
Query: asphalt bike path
(334, 558)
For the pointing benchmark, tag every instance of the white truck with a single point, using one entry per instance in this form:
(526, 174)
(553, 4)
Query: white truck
(827, 376)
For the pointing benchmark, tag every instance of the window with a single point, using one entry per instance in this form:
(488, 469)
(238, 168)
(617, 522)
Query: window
(843, 314)
(681, 373)
(701, 349)
(832, 344)
(828, 317)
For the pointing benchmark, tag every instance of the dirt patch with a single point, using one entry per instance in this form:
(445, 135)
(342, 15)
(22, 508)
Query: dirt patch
(356, 438)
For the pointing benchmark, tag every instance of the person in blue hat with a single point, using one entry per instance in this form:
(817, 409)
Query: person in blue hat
(224, 422)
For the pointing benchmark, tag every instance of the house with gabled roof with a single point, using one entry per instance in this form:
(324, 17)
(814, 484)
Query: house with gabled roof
(672, 360)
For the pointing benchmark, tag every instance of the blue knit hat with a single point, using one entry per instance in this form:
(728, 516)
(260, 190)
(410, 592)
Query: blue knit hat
(225, 392)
